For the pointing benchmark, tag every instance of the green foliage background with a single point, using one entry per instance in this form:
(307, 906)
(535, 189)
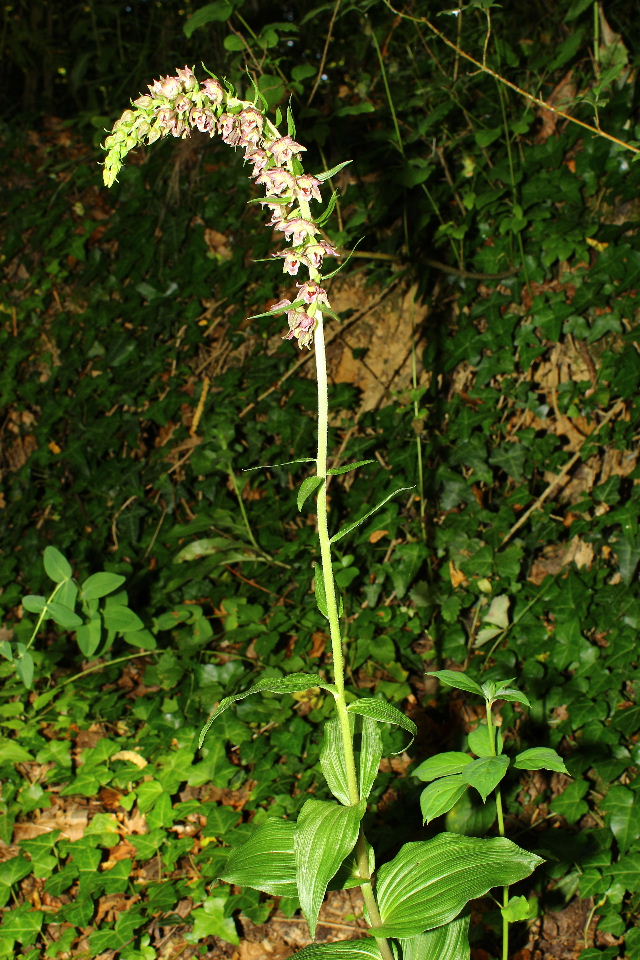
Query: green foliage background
(114, 309)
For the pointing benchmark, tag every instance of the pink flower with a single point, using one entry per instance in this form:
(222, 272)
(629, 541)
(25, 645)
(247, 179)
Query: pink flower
(214, 90)
(228, 129)
(312, 292)
(203, 120)
(298, 229)
(144, 102)
(284, 148)
(183, 104)
(187, 78)
(165, 118)
(277, 181)
(258, 158)
(301, 327)
(293, 259)
(251, 124)
(308, 187)
(316, 252)
(276, 214)
(281, 305)
(170, 87)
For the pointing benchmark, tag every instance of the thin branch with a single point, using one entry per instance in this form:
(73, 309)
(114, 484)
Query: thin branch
(512, 86)
(325, 52)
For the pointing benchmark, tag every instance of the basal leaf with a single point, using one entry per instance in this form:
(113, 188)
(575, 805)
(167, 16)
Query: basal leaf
(326, 833)
(383, 712)
(308, 486)
(356, 523)
(540, 758)
(56, 565)
(440, 796)
(429, 882)
(289, 684)
(449, 942)
(485, 774)
(267, 860)
(457, 679)
(442, 765)
(366, 949)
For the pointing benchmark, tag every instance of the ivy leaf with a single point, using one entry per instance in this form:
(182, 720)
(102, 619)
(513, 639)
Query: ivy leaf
(429, 882)
(12, 872)
(540, 758)
(457, 679)
(623, 815)
(449, 942)
(210, 921)
(266, 861)
(326, 833)
(289, 684)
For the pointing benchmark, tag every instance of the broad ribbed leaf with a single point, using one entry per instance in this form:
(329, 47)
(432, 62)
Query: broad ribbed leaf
(428, 883)
(289, 684)
(450, 942)
(326, 833)
(442, 765)
(485, 774)
(454, 678)
(440, 796)
(332, 762)
(344, 950)
(383, 712)
(370, 756)
(267, 860)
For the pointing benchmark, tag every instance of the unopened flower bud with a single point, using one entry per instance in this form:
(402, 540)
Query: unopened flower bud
(214, 90)
(187, 78)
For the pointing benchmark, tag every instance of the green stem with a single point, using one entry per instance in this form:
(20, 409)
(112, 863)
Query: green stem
(334, 623)
(500, 814)
(43, 614)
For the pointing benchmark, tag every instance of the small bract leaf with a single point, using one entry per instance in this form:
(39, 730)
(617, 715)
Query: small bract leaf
(540, 758)
(290, 684)
(449, 942)
(326, 833)
(307, 488)
(266, 861)
(326, 174)
(457, 679)
(348, 467)
(383, 712)
(56, 565)
(442, 765)
(356, 523)
(440, 796)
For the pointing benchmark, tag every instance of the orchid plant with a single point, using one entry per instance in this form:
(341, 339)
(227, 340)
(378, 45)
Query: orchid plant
(414, 903)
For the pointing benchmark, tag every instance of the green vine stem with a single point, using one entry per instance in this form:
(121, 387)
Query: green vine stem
(493, 733)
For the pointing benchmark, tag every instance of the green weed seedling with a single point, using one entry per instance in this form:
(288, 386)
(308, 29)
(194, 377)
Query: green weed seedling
(96, 610)
(413, 902)
(450, 775)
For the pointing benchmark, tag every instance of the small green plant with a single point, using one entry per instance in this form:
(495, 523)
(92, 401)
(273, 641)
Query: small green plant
(451, 774)
(413, 902)
(96, 610)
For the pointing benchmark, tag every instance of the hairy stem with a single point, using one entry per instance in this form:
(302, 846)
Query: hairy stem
(334, 623)
(499, 811)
